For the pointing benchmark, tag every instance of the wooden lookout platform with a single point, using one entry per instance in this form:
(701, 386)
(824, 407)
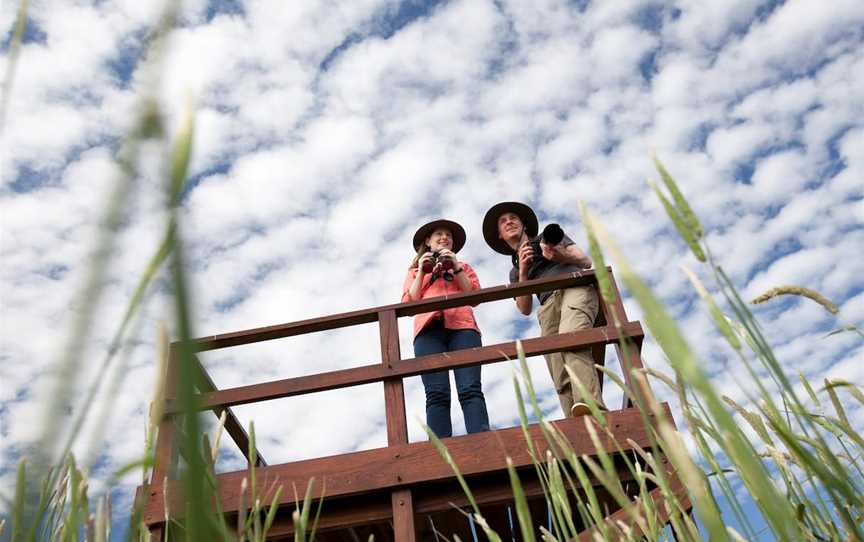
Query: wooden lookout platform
(405, 490)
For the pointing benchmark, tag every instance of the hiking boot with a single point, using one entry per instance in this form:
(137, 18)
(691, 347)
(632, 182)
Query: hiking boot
(581, 409)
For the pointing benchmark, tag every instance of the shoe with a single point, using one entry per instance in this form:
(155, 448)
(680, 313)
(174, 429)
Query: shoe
(579, 409)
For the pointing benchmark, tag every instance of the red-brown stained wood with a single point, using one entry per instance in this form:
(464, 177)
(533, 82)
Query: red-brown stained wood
(625, 516)
(632, 359)
(397, 482)
(598, 351)
(372, 373)
(165, 451)
(394, 396)
(232, 425)
(403, 516)
(396, 466)
(339, 513)
(491, 489)
(366, 316)
(397, 426)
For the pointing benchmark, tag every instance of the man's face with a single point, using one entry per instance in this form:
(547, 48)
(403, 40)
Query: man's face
(509, 226)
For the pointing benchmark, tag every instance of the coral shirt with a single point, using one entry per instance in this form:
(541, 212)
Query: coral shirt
(455, 318)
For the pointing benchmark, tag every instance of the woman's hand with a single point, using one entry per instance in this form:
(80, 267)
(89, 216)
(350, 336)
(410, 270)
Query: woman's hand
(450, 255)
(423, 259)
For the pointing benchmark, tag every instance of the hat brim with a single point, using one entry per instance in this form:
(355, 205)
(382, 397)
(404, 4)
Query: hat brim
(426, 230)
(490, 224)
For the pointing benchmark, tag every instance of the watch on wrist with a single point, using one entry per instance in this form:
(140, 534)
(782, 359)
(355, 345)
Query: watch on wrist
(457, 271)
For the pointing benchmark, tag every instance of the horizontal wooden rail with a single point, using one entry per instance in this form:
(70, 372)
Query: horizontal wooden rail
(367, 374)
(366, 316)
(407, 464)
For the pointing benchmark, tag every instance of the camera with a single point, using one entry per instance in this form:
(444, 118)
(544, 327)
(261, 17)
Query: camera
(446, 263)
(551, 235)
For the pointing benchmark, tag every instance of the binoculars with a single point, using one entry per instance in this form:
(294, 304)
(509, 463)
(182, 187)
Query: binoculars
(446, 263)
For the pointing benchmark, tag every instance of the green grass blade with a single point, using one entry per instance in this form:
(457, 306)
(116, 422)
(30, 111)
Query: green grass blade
(523, 513)
(686, 212)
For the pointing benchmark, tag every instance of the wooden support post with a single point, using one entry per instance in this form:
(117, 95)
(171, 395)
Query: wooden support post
(638, 385)
(233, 426)
(166, 451)
(397, 425)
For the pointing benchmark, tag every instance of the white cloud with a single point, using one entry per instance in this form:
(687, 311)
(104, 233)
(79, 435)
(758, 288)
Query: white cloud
(311, 181)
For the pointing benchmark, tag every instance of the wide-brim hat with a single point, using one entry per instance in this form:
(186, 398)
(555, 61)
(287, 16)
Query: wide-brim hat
(426, 230)
(490, 224)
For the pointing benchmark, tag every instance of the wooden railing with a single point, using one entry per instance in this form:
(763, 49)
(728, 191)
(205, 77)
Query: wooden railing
(398, 466)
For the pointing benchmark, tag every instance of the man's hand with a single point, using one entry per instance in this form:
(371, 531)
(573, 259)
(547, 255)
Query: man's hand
(526, 256)
(554, 253)
(567, 254)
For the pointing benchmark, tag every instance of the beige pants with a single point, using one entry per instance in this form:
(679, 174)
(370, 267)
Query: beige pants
(564, 311)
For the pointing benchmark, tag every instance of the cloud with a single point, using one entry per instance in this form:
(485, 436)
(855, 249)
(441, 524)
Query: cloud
(325, 134)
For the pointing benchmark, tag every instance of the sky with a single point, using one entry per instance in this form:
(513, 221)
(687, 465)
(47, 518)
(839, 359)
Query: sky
(327, 132)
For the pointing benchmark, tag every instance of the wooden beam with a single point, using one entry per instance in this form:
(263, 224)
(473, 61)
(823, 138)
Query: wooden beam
(166, 451)
(401, 503)
(625, 516)
(233, 426)
(403, 465)
(366, 316)
(366, 374)
(403, 516)
(394, 396)
(488, 490)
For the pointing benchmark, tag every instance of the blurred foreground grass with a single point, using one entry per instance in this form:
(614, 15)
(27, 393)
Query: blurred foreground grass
(791, 450)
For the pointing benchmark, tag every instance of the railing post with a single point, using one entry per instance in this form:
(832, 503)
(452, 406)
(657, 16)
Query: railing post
(397, 425)
(166, 451)
(638, 384)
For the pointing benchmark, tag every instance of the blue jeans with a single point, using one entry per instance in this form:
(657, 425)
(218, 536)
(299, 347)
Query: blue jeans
(435, 339)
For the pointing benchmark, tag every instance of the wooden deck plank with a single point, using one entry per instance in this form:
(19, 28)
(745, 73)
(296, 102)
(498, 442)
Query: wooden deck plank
(400, 466)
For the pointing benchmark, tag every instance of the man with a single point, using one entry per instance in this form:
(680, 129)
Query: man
(507, 228)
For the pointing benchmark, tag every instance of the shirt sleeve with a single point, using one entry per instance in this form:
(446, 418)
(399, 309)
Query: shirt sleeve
(472, 276)
(409, 278)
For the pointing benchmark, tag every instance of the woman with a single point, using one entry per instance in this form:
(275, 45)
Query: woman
(436, 271)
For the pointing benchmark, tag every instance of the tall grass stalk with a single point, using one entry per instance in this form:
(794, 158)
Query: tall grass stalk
(51, 499)
(797, 459)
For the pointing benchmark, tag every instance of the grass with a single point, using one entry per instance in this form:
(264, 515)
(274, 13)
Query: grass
(791, 448)
(791, 451)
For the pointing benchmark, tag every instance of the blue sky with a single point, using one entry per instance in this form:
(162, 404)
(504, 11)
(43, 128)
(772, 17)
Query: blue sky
(326, 132)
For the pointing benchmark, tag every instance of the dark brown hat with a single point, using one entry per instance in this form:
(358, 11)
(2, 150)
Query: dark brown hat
(426, 230)
(490, 224)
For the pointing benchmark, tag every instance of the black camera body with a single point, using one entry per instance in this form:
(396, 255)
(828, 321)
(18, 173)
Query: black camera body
(446, 263)
(551, 235)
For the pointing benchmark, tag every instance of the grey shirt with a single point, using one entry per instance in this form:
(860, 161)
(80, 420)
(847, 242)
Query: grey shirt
(544, 269)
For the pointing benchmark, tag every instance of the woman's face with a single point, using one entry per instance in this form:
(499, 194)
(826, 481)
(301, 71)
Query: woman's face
(440, 238)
